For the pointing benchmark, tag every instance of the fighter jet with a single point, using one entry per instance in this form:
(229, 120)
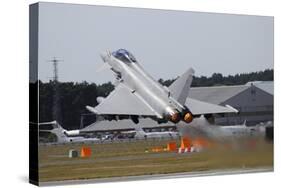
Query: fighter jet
(138, 95)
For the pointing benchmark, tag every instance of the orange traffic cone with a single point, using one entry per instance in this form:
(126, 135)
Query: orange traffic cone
(86, 152)
(185, 143)
(172, 146)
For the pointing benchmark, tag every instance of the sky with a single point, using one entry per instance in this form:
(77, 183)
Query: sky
(165, 43)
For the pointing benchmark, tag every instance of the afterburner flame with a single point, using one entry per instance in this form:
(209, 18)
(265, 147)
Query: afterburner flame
(175, 118)
(188, 117)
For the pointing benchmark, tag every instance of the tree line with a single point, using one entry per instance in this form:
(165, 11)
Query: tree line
(73, 97)
(218, 79)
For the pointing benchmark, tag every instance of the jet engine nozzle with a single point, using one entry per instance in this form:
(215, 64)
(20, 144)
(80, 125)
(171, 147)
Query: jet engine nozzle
(173, 115)
(187, 117)
(175, 118)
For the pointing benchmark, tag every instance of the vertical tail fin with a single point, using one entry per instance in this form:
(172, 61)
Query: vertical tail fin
(180, 88)
(57, 129)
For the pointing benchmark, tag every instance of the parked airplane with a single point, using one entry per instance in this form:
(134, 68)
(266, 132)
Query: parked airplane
(138, 95)
(63, 136)
(219, 132)
(140, 134)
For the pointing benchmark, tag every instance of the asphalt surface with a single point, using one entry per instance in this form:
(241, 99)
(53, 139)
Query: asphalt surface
(159, 176)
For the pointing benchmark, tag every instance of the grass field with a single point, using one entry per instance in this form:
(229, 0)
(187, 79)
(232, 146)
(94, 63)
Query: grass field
(130, 159)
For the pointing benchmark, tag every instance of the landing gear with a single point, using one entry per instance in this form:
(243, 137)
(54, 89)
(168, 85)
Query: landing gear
(135, 119)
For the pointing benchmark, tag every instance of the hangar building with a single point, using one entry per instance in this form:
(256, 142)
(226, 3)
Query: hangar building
(254, 101)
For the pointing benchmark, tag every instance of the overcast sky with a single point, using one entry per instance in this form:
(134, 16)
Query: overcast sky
(165, 43)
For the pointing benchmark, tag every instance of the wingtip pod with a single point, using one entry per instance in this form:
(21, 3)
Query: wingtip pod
(91, 109)
(231, 108)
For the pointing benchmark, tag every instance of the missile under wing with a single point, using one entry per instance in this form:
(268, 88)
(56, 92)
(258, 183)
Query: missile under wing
(138, 95)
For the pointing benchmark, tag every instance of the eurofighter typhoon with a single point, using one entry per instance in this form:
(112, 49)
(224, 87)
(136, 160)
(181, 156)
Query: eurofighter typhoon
(138, 95)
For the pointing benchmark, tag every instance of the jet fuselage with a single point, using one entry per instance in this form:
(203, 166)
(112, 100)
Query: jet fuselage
(151, 92)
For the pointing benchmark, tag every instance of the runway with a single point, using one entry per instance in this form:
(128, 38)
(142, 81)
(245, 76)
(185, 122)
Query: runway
(136, 160)
(161, 176)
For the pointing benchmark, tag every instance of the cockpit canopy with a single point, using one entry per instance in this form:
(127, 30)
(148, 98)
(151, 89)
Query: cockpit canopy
(125, 56)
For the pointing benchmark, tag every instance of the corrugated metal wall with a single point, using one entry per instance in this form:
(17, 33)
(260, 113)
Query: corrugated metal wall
(254, 104)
